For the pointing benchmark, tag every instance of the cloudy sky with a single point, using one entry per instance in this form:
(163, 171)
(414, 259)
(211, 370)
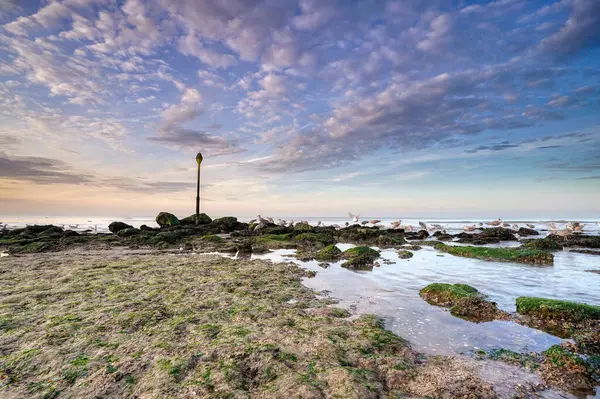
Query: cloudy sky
(301, 107)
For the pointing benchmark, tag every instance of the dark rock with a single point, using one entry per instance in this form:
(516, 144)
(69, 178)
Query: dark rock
(577, 240)
(244, 247)
(416, 235)
(545, 244)
(227, 223)
(202, 218)
(487, 236)
(443, 236)
(585, 251)
(128, 232)
(390, 241)
(115, 227)
(147, 228)
(166, 219)
(476, 309)
(523, 231)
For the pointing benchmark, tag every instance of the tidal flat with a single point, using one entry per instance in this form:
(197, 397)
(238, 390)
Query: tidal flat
(227, 309)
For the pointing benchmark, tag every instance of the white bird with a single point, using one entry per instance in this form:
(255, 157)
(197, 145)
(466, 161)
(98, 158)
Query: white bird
(291, 223)
(270, 220)
(423, 225)
(354, 217)
(262, 220)
(252, 221)
(496, 222)
(515, 226)
(531, 226)
(437, 226)
(395, 224)
(470, 228)
(552, 227)
(73, 226)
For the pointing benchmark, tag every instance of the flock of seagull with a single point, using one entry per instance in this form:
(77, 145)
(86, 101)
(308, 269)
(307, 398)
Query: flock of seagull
(570, 228)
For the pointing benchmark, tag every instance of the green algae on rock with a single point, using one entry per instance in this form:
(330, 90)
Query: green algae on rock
(329, 253)
(447, 295)
(567, 371)
(360, 258)
(519, 255)
(403, 254)
(544, 244)
(558, 310)
(202, 218)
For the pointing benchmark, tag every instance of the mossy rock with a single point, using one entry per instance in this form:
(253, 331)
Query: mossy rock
(329, 253)
(447, 295)
(544, 244)
(35, 247)
(115, 227)
(166, 219)
(411, 247)
(389, 241)
(402, 254)
(212, 238)
(275, 241)
(202, 218)
(567, 371)
(360, 262)
(128, 232)
(314, 239)
(228, 223)
(302, 227)
(557, 310)
(360, 251)
(519, 255)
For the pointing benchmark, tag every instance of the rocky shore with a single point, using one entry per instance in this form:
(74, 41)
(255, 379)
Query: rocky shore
(137, 313)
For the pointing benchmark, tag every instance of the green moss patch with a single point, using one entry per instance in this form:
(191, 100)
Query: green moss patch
(443, 294)
(519, 255)
(403, 254)
(555, 309)
(544, 244)
(329, 253)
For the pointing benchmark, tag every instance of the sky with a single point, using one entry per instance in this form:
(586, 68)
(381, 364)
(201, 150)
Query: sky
(301, 107)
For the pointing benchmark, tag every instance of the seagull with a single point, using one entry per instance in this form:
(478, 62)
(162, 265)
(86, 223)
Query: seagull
(262, 220)
(552, 227)
(73, 226)
(354, 217)
(531, 226)
(271, 220)
(505, 224)
(374, 221)
(496, 222)
(319, 223)
(515, 226)
(423, 225)
(437, 226)
(470, 228)
(252, 221)
(396, 224)
(337, 226)
(364, 222)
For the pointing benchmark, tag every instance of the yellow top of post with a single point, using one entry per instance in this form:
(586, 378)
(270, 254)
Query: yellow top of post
(199, 158)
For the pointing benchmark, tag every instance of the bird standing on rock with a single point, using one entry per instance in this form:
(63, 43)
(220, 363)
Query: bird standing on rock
(423, 225)
(374, 221)
(354, 217)
(496, 222)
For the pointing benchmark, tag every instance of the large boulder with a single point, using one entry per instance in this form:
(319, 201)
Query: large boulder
(115, 227)
(523, 231)
(166, 219)
(227, 223)
(202, 218)
(128, 232)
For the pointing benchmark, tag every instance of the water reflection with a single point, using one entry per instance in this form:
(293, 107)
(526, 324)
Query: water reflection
(391, 291)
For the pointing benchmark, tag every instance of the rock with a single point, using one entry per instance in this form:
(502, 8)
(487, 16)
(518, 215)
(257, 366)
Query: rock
(545, 244)
(475, 308)
(487, 236)
(585, 251)
(446, 295)
(577, 240)
(165, 219)
(543, 308)
(128, 232)
(360, 258)
(416, 235)
(389, 241)
(202, 218)
(318, 240)
(403, 254)
(147, 228)
(244, 247)
(523, 231)
(564, 370)
(329, 253)
(227, 223)
(115, 227)
(412, 247)
(302, 226)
